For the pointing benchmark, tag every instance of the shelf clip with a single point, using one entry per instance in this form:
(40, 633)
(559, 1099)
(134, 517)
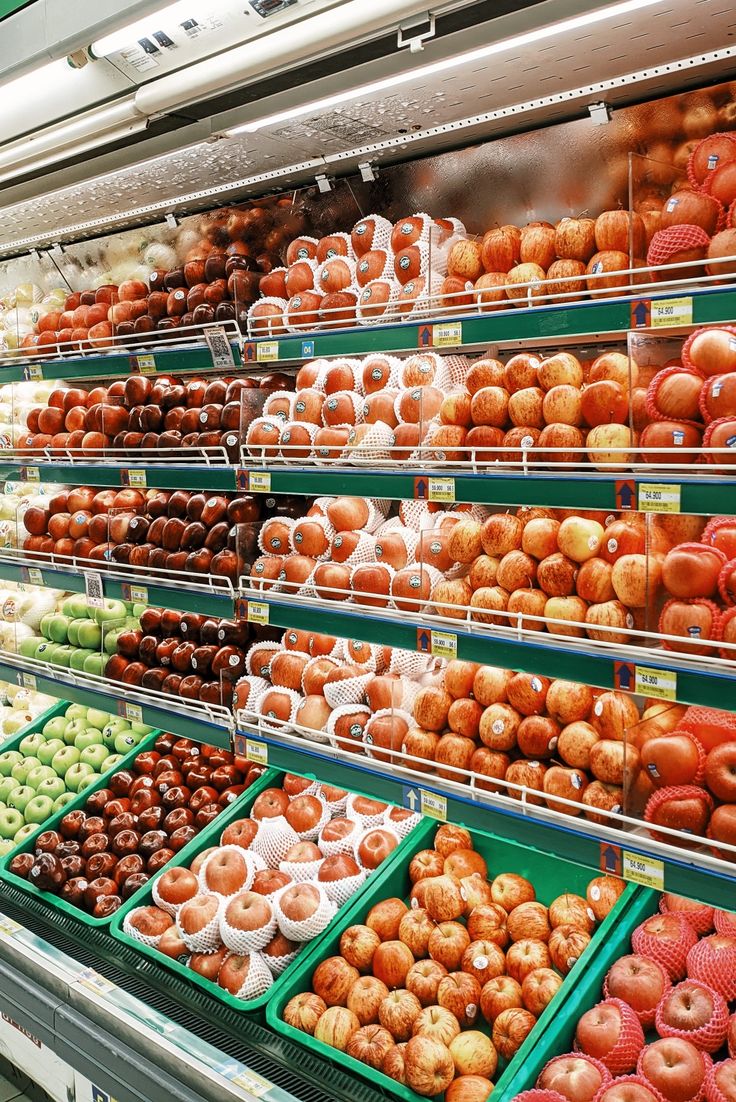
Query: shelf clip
(324, 183)
(368, 172)
(600, 113)
(416, 32)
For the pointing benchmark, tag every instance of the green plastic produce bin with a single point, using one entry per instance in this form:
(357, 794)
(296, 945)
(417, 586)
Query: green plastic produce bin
(257, 1005)
(550, 879)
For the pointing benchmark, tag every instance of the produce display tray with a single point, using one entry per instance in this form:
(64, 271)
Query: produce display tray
(559, 1033)
(250, 1006)
(549, 878)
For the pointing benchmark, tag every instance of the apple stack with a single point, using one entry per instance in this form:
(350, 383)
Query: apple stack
(666, 1028)
(242, 910)
(99, 855)
(49, 767)
(78, 637)
(140, 413)
(434, 993)
(372, 274)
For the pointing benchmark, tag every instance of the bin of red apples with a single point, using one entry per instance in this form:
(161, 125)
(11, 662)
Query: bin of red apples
(439, 985)
(665, 1030)
(237, 915)
(97, 855)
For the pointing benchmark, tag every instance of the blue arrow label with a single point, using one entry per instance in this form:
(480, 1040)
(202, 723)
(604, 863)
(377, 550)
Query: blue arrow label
(640, 313)
(626, 496)
(424, 336)
(423, 641)
(624, 677)
(411, 798)
(421, 488)
(610, 858)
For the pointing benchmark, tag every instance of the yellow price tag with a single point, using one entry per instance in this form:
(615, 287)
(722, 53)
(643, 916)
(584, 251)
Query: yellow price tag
(139, 594)
(259, 482)
(671, 312)
(30, 474)
(441, 489)
(448, 334)
(256, 751)
(433, 805)
(648, 871)
(146, 365)
(132, 712)
(659, 497)
(443, 644)
(137, 479)
(661, 684)
(257, 612)
(267, 351)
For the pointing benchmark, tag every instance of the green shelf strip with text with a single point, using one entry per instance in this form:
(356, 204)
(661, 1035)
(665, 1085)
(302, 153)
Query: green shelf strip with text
(117, 365)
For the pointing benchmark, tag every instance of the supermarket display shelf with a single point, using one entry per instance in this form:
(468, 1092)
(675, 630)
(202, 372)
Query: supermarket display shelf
(662, 313)
(92, 1001)
(152, 360)
(560, 490)
(602, 849)
(184, 595)
(154, 476)
(644, 670)
(178, 717)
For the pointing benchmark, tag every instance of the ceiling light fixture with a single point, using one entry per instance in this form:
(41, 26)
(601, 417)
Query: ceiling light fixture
(412, 75)
(167, 19)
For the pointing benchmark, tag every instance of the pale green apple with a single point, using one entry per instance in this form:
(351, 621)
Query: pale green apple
(94, 755)
(88, 781)
(8, 759)
(141, 729)
(75, 606)
(28, 648)
(125, 741)
(29, 745)
(53, 787)
(64, 759)
(95, 664)
(58, 631)
(76, 774)
(110, 762)
(20, 797)
(45, 651)
(50, 747)
(61, 801)
(7, 785)
(22, 769)
(111, 730)
(63, 656)
(7, 845)
(110, 643)
(138, 610)
(99, 719)
(73, 729)
(73, 632)
(111, 610)
(76, 711)
(39, 809)
(45, 625)
(55, 728)
(40, 773)
(10, 822)
(79, 657)
(25, 832)
(89, 737)
(89, 635)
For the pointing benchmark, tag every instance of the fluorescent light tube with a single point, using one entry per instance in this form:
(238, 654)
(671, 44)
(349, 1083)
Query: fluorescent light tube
(163, 20)
(411, 75)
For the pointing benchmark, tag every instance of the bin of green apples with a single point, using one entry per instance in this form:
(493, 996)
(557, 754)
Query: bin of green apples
(43, 771)
(79, 637)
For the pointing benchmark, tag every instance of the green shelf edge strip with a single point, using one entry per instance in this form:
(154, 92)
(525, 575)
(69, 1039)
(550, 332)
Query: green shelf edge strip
(220, 478)
(693, 686)
(117, 364)
(176, 595)
(114, 701)
(680, 877)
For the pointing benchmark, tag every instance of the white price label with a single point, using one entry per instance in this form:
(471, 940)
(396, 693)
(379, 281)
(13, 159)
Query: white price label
(32, 575)
(659, 497)
(661, 684)
(132, 712)
(447, 335)
(139, 594)
(259, 482)
(648, 871)
(93, 981)
(30, 474)
(93, 589)
(443, 644)
(441, 489)
(257, 612)
(267, 351)
(250, 1081)
(8, 928)
(220, 347)
(671, 312)
(136, 479)
(256, 751)
(433, 805)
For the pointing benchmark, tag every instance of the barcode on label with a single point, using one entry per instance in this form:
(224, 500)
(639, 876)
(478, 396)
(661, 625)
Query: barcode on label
(93, 589)
(219, 346)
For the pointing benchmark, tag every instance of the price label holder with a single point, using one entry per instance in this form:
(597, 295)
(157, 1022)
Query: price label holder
(659, 497)
(136, 593)
(145, 365)
(647, 871)
(256, 751)
(132, 712)
(94, 982)
(8, 928)
(31, 575)
(136, 479)
(441, 489)
(30, 474)
(256, 612)
(671, 312)
(27, 681)
(440, 644)
(433, 805)
(259, 482)
(33, 373)
(267, 351)
(220, 348)
(661, 684)
(94, 590)
(448, 335)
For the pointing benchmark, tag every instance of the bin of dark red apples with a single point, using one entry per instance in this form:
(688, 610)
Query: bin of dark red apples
(438, 993)
(665, 1030)
(239, 913)
(144, 413)
(97, 856)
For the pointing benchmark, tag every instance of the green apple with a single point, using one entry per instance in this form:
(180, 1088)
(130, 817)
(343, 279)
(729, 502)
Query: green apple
(75, 606)
(8, 785)
(74, 729)
(8, 759)
(7, 845)
(63, 656)
(46, 752)
(95, 664)
(45, 651)
(110, 644)
(94, 755)
(59, 628)
(89, 634)
(40, 773)
(141, 729)
(45, 625)
(20, 771)
(110, 762)
(61, 801)
(125, 741)
(111, 610)
(76, 711)
(29, 745)
(111, 730)
(24, 832)
(138, 610)
(29, 647)
(64, 759)
(39, 809)
(11, 822)
(53, 787)
(89, 737)
(20, 797)
(76, 774)
(55, 728)
(99, 719)
(79, 657)
(73, 632)
(88, 781)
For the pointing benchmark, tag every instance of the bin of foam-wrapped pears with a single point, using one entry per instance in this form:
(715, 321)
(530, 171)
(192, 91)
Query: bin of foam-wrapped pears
(76, 636)
(42, 771)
